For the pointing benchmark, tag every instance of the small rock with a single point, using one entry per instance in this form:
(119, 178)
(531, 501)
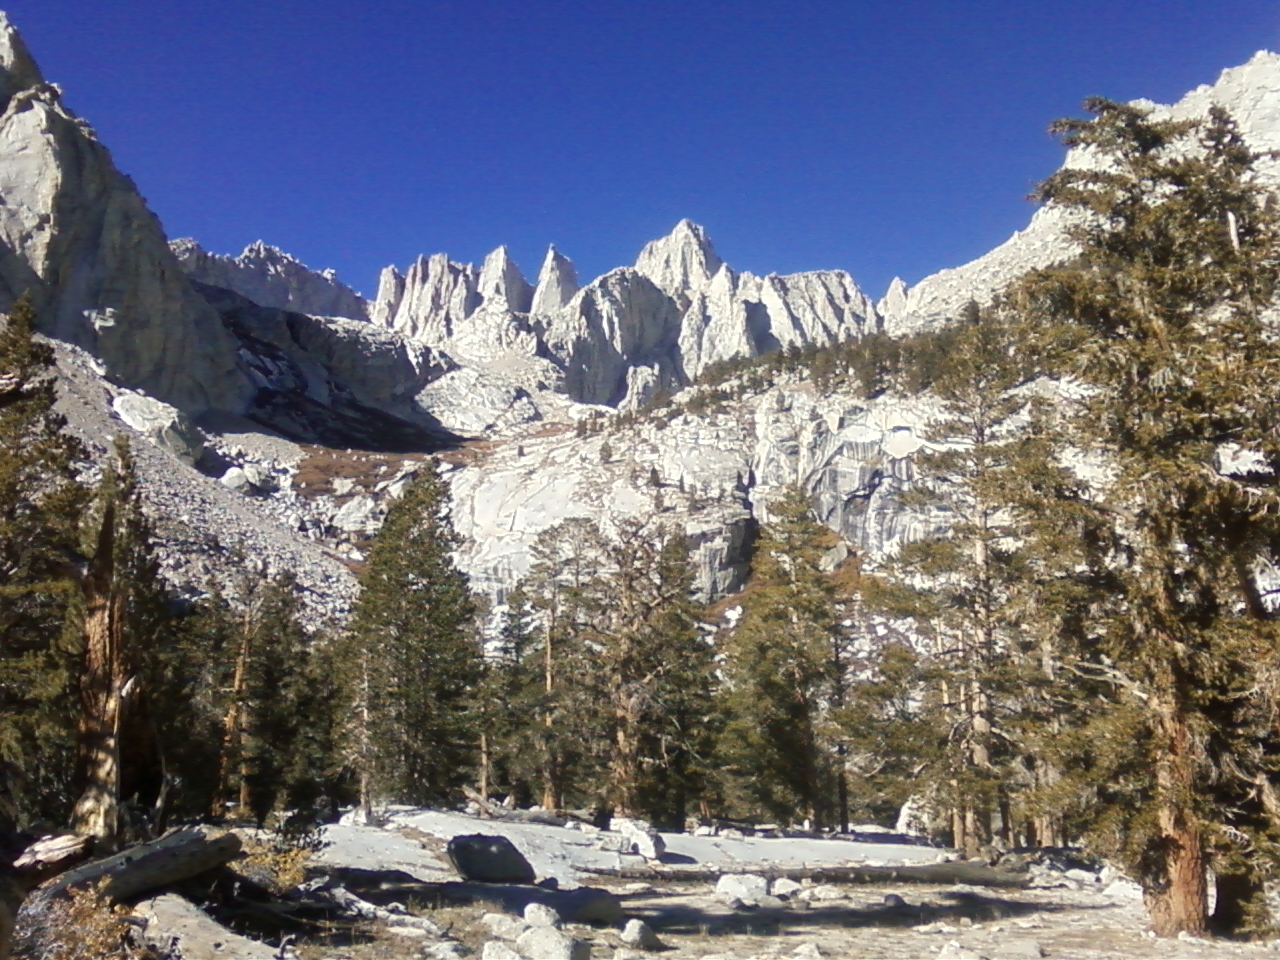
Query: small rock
(704, 831)
(544, 943)
(1081, 876)
(784, 887)
(540, 915)
(613, 843)
(626, 953)
(497, 950)
(235, 479)
(449, 950)
(893, 900)
(637, 933)
(770, 902)
(638, 888)
(808, 951)
(953, 950)
(747, 887)
(503, 925)
(824, 892)
(641, 836)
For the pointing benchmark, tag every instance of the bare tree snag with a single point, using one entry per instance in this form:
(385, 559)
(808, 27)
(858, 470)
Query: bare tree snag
(148, 866)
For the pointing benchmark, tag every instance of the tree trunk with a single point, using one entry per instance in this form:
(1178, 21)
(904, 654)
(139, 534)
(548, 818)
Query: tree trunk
(1177, 898)
(96, 811)
(484, 767)
(232, 729)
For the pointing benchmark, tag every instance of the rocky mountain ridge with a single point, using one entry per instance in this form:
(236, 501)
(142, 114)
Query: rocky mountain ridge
(272, 278)
(282, 434)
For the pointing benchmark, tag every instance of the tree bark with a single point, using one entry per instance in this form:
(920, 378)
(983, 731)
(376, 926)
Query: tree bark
(1177, 898)
(101, 681)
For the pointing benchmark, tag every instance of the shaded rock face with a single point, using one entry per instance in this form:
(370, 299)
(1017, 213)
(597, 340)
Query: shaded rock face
(75, 233)
(489, 859)
(271, 278)
(335, 382)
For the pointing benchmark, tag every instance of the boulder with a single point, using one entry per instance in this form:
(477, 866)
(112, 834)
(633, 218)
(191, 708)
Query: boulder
(637, 933)
(497, 950)
(640, 837)
(747, 887)
(489, 859)
(503, 925)
(165, 426)
(540, 915)
(808, 951)
(785, 887)
(546, 943)
(589, 905)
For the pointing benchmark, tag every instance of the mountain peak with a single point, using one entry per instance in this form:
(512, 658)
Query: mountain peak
(18, 71)
(557, 283)
(682, 262)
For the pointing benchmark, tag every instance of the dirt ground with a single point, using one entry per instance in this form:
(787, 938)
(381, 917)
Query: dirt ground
(930, 922)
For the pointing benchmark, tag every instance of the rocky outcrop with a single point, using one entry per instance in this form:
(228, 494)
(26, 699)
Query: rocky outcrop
(75, 233)
(681, 263)
(272, 278)
(741, 315)
(618, 321)
(557, 283)
(332, 381)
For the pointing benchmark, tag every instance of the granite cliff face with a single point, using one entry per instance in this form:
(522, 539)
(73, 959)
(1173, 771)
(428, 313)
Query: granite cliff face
(296, 381)
(627, 334)
(75, 233)
(271, 278)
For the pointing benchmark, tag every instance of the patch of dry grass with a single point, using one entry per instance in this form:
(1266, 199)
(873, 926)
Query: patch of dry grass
(82, 926)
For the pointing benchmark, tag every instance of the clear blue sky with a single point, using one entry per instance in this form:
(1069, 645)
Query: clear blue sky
(883, 136)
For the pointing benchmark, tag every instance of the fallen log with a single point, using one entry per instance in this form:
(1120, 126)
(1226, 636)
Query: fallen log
(945, 873)
(177, 855)
(33, 865)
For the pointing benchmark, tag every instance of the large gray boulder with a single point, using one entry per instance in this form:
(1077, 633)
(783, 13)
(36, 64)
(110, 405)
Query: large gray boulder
(165, 426)
(489, 859)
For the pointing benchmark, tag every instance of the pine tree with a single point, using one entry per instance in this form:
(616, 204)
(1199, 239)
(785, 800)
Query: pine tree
(1180, 254)
(962, 586)
(782, 669)
(412, 664)
(40, 508)
(123, 607)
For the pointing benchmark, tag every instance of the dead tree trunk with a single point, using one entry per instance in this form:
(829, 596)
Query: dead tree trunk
(101, 687)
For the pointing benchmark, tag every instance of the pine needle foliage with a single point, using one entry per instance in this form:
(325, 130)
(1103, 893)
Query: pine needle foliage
(410, 660)
(40, 508)
(1175, 365)
(781, 672)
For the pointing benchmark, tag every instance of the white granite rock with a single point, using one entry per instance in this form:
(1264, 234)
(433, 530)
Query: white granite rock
(540, 915)
(77, 234)
(546, 943)
(747, 887)
(272, 278)
(557, 283)
(163, 425)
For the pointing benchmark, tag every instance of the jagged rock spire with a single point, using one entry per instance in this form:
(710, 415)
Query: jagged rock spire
(557, 283)
(501, 279)
(681, 263)
(17, 70)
